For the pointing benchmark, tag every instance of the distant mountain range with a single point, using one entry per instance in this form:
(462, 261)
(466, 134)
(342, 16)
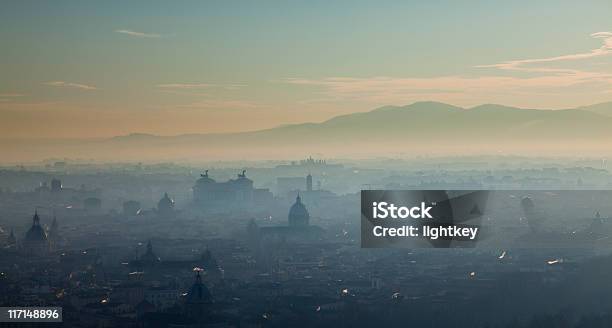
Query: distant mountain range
(603, 108)
(419, 128)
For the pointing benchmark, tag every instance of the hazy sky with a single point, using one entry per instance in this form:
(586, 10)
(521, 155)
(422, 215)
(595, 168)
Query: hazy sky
(91, 69)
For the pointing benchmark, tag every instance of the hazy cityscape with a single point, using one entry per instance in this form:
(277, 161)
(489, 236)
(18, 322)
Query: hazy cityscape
(272, 164)
(276, 244)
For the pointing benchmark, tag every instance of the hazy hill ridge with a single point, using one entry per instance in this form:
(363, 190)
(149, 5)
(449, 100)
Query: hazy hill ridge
(418, 128)
(434, 118)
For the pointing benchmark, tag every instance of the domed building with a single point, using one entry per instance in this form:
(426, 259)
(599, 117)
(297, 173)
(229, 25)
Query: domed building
(35, 241)
(298, 214)
(271, 244)
(199, 299)
(165, 206)
(266, 241)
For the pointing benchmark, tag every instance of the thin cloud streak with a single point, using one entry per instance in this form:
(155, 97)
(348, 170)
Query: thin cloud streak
(184, 85)
(604, 50)
(393, 90)
(199, 86)
(221, 104)
(64, 84)
(139, 34)
(548, 81)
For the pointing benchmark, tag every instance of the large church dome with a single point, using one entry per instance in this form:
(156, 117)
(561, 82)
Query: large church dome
(298, 214)
(36, 232)
(35, 242)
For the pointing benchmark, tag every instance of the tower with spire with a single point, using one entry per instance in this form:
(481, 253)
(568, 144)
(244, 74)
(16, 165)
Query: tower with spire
(309, 182)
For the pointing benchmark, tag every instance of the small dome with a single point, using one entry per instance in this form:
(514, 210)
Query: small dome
(298, 214)
(165, 203)
(36, 232)
(198, 293)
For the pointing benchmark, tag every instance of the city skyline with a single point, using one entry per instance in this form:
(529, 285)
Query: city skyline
(345, 163)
